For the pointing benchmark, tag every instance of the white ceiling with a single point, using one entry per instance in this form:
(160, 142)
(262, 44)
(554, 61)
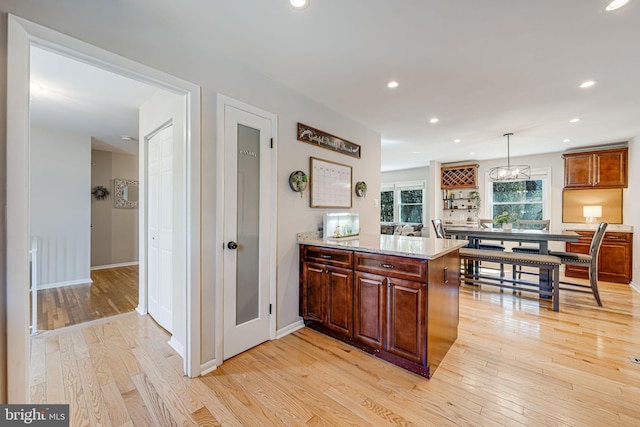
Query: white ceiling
(482, 67)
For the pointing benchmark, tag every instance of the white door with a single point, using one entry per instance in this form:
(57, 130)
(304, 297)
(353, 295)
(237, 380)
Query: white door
(160, 226)
(247, 223)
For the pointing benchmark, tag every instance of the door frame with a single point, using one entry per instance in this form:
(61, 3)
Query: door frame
(222, 102)
(21, 35)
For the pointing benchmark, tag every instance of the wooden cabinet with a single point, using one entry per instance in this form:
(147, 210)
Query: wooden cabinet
(614, 260)
(327, 288)
(596, 169)
(404, 310)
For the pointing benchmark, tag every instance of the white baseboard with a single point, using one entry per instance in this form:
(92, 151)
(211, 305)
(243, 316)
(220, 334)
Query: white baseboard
(210, 366)
(122, 264)
(635, 287)
(63, 284)
(289, 329)
(177, 346)
(142, 310)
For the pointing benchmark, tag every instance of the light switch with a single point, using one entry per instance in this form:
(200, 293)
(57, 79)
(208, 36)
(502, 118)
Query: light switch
(376, 203)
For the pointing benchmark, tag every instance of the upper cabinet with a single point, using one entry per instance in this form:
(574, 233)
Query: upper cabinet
(596, 169)
(465, 176)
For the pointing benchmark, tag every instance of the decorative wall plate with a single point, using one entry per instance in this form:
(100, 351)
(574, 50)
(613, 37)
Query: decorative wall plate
(298, 182)
(361, 189)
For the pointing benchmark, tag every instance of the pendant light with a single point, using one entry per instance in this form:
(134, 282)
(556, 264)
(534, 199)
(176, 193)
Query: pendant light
(509, 172)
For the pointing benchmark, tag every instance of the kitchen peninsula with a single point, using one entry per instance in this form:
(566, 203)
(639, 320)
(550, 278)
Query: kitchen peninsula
(395, 297)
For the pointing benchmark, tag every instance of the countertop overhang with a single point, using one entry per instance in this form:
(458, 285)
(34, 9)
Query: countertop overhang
(406, 246)
(617, 228)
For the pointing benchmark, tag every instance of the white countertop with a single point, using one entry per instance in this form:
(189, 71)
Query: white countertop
(617, 228)
(408, 246)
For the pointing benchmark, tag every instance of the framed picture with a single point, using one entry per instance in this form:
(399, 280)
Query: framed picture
(330, 184)
(322, 139)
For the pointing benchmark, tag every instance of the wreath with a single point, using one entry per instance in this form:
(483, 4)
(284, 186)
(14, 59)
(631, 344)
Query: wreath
(100, 192)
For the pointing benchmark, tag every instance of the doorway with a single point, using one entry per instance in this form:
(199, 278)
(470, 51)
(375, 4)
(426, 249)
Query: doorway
(249, 233)
(22, 36)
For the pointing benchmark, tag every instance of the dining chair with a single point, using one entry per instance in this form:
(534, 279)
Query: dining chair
(590, 260)
(488, 223)
(438, 228)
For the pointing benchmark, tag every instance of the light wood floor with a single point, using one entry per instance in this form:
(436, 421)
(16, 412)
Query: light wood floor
(113, 291)
(515, 363)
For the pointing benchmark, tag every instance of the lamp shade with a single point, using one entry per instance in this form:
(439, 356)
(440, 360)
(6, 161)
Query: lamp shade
(594, 211)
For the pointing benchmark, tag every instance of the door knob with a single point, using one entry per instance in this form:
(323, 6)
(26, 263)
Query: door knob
(232, 245)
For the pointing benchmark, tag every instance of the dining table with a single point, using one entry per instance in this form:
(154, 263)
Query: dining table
(541, 237)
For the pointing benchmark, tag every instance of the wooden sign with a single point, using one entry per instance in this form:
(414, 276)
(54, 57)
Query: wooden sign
(326, 140)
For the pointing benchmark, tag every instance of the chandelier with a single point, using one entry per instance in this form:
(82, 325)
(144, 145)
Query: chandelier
(509, 172)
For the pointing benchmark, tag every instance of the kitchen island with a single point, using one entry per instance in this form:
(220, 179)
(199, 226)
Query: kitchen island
(395, 297)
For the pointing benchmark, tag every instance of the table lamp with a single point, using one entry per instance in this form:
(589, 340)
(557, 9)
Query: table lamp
(591, 213)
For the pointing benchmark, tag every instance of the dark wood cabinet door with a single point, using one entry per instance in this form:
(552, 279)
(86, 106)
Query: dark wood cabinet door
(406, 325)
(578, 170)
(369, 311)
(340, 300)
(611, 169)
(614, 262)
(314, 292)
(581, 247)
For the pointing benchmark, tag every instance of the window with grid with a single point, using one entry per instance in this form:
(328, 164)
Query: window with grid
(402, 203)
(524, 199)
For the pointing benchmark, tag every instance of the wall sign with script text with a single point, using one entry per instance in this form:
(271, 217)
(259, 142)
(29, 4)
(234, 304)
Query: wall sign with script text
(326, 140)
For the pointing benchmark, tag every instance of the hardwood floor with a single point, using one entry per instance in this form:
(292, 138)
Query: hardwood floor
(113, 291)
(516, 362)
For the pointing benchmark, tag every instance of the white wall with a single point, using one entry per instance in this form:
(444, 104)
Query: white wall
(413, 174)
(60, 206)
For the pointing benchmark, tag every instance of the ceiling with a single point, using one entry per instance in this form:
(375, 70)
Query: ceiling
(483, 68)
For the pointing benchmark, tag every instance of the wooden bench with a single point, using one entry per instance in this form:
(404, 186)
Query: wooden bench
(552, 263)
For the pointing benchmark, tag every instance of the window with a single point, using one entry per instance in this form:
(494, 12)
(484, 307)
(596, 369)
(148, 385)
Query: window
(522, 199)
(403, 203)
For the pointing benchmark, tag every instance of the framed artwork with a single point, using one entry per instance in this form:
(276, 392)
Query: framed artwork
(330, 184)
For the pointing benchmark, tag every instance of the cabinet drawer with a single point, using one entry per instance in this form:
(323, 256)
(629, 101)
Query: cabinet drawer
(392, 266)
(336, 257)
(618, 237)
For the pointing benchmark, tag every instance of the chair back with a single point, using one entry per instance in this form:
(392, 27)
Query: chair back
(597, 241)
(438, 227)
(533, 224)
(485, 223)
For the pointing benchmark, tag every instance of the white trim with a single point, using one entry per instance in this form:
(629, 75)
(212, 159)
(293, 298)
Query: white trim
(122, 264)
(399, 186)
(223, 100)
(208, 367)
(283, 332)
(635, 286)
(21, 35)
(63, 284)
(177, 346)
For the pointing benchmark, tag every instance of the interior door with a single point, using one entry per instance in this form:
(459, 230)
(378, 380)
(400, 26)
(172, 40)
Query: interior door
(160, 226)
(247, 219)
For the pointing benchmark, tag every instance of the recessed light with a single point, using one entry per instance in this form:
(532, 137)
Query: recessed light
(299, 4)
(587, 84)
(392, 84)
(566, 140)
(434, 120)
(35, 87)
(472, 153)
(575, 120)
(456, 140)
(128, 138)
(416, 152)
(615, 4)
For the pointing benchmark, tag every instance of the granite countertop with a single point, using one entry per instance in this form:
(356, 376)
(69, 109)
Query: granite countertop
(407, 246)
(618, 228)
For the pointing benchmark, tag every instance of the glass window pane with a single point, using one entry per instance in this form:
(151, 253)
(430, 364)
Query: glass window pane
(386, 206)
(411, 213)
(411, 196)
